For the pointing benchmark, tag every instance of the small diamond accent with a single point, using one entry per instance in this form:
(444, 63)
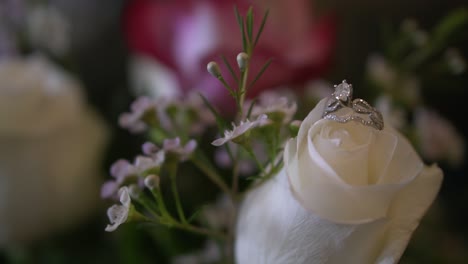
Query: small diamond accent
(343, 91)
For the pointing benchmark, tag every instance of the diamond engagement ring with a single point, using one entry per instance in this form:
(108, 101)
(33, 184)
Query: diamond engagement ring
(341, 108)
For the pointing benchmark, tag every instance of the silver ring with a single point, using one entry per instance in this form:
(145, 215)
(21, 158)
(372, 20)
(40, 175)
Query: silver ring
(341, 108)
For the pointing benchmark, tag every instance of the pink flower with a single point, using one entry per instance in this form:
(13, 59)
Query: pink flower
(185, 35)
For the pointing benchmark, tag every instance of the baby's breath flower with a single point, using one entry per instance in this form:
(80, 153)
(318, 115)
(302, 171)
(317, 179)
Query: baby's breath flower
(121, 169)
(145, 163)
(277, 107)
(198, 114)
(173, 146)
(240, 130)
(109, 188)
(149, 148)
(143, 110)
(118, 214)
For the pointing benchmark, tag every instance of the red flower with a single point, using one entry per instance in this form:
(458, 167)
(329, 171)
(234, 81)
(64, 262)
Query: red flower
(185, 35)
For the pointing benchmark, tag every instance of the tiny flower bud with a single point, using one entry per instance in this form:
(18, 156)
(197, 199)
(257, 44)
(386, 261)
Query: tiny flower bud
(134, 191)
(242, 60)
(213, 69)
(152, 181)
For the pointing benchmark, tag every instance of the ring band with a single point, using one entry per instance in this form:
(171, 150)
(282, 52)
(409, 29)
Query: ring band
(341, 108)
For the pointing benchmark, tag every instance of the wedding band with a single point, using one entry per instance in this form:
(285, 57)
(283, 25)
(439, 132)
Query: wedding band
(341, 108)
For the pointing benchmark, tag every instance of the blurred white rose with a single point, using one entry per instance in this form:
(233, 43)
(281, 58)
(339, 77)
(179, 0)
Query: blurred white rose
(51, 143)
(348, 194)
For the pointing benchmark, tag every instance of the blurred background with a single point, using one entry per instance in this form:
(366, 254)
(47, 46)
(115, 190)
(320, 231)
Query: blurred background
(68, 69)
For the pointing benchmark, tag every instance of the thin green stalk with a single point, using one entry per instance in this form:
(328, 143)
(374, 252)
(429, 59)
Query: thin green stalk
(172, 175)
(162, 205)
(243, 87)
(211, 174)
(199, 230)
(252, 154)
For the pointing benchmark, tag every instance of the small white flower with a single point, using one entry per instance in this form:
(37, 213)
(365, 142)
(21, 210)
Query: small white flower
(274, 103)
(173, 146)
(133, 121)
(118, 214)
(203, 117)
(149, 148)
(240, 130)
(144, 163)
(121, 169)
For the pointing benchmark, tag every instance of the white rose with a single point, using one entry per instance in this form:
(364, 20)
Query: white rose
(50, 149)
(348, 193)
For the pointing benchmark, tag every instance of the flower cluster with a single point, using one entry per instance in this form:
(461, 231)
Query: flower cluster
(321, 190)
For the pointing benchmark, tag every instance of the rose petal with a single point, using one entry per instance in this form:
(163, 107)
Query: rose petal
(301, 237)
(326, 194)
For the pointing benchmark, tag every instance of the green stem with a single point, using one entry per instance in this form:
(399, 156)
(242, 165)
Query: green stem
(243, 88)
(249, 150)
(199, 230)
(162, 205)
(211, 174)
(173, 174)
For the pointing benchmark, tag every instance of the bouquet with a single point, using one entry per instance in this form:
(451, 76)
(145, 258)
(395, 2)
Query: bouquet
(340, 185)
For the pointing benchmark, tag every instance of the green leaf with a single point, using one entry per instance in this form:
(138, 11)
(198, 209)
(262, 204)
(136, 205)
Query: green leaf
(250, 24)
(231, 70)
(440, 38)
(194, 215)
(240, 22)
(450, 25)
(220, 122)
(238, 17)
(251, 107)
(262, 25)
(260, 73)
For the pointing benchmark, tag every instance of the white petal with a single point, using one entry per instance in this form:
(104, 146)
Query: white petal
(407, 211)
(314, 116)
(117, 214)
(274, 228)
